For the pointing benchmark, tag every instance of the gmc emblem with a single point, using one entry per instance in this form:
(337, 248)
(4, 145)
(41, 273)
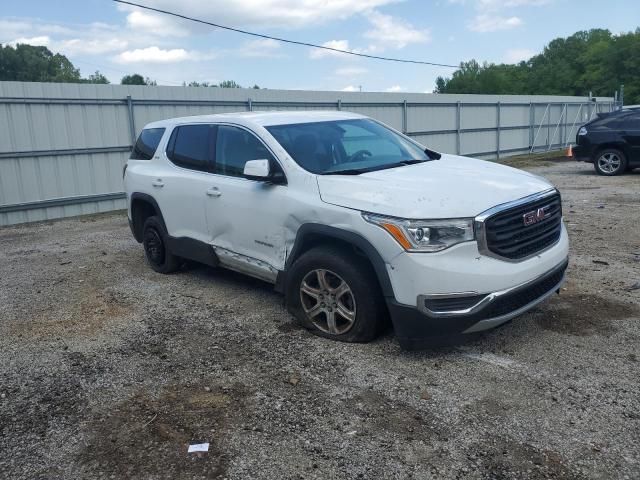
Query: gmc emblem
(535, 216)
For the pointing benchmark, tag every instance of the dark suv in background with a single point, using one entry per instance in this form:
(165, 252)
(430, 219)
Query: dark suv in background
(611, 142)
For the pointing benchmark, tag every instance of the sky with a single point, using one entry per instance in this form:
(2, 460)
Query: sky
(118, 40)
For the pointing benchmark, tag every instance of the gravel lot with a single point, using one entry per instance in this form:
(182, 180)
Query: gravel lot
(109, 370)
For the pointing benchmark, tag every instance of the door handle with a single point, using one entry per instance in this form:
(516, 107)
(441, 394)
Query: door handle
(214, 192)
(158, 183)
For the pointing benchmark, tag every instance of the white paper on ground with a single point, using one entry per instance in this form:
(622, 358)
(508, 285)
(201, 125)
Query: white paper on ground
(199, 447)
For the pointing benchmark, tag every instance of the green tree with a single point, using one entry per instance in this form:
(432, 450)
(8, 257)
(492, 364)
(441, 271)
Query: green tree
(228, 84)
(134, 79)
(28, 63)
(96, 77)
(588, 61)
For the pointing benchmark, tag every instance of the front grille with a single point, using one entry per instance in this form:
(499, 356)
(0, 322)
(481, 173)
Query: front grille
(507, 235)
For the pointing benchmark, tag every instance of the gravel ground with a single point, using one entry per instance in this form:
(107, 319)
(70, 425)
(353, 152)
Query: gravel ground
(108, 370)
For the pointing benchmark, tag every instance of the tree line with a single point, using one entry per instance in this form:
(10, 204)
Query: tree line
(28, 63)
(588, 61)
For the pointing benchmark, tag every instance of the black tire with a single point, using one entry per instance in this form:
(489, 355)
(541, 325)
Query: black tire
(603, 165)
(156, 249)
(364, 297)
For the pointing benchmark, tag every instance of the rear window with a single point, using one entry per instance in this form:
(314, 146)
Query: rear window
(193, 146)
(147, 144)
(619, 120)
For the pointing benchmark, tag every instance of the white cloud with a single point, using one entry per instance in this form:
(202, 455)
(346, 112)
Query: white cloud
(517, 55)
(492, 23)
(87, 39)
(140, 20)
(265, 13)
(337, 44)
(351, 71)
(491, 15)
(155, 55)
(498, 4)
(395, 88)
(83, 46)
(42, 40)
(264, 47)
(351, 88)
(394, 32)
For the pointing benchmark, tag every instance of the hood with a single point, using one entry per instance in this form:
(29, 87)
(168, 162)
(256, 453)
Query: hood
(452, 187)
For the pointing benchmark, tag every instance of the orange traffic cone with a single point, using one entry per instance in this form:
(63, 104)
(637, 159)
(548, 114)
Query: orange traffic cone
(570, 151)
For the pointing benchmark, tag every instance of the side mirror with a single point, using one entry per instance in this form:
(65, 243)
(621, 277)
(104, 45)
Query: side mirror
(257, 170)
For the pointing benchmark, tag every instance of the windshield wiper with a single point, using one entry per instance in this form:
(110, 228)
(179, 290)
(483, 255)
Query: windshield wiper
(411, 162)
(351, 171)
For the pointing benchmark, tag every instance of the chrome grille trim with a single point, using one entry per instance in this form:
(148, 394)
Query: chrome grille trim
(481, 219)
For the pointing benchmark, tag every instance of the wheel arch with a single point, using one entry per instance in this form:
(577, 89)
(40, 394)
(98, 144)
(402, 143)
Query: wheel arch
(143, 206)
(622, 147)
(311, 235)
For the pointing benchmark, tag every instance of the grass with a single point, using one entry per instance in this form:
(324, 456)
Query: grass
(542, 159)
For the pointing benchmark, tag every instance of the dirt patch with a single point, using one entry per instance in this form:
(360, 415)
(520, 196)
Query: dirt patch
(396, 418)
(583, 314)
(148, 435)
(503, 458)
(96, 309)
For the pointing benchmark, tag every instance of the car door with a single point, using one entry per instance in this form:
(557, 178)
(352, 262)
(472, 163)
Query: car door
(246, 217)
(631, 134)
(180, 185)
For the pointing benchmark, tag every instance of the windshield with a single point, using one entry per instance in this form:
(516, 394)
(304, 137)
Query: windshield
(346, 146)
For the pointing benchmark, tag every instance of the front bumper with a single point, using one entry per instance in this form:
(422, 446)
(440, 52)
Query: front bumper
(582, 153)
(417, 327)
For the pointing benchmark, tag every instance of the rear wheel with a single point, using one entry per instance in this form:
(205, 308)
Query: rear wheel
(336, 295)
(156, 249)
(610, 162)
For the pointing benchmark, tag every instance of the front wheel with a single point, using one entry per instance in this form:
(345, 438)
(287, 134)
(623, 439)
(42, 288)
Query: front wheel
(336, 295)
(610, 162)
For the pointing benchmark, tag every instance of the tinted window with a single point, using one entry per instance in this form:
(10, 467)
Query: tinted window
(147, 144)
(234, 147)
(192, 146)
(354, 145)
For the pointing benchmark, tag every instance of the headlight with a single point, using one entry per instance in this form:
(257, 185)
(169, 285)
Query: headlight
(425, 235)
(582, 131)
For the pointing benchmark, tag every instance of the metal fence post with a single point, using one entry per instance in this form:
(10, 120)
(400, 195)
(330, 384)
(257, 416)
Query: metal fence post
(132, 122)
(532, 119)
(549, 126)
(498, 129)
(564, 125)
(250, 105)
(339, 104)
(404, 117)
(458, 122)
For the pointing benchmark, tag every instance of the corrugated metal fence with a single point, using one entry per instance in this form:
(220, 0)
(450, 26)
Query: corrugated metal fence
(63, 146)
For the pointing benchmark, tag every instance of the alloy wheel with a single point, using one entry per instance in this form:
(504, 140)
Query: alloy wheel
(609, 162)
(328, 301)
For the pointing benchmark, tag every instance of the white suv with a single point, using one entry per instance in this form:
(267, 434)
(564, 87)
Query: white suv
(354, 222)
